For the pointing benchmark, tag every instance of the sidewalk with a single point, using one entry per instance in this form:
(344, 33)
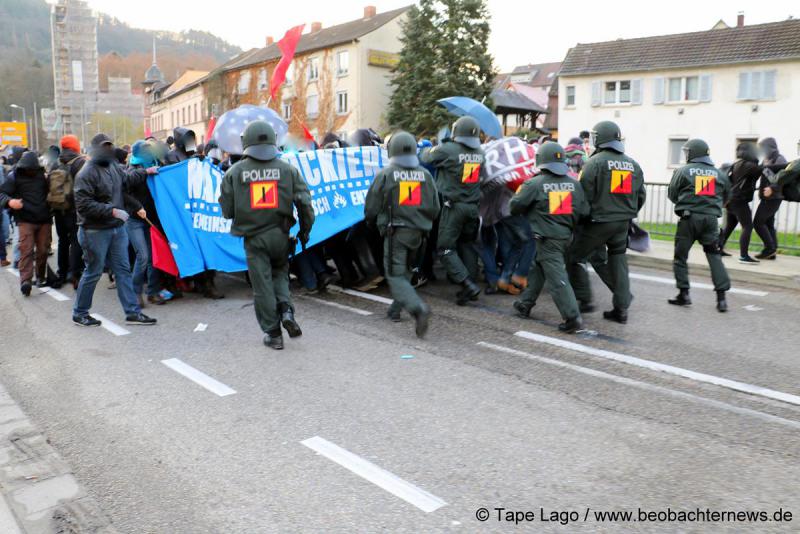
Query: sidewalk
(38, 493)
(783, 272)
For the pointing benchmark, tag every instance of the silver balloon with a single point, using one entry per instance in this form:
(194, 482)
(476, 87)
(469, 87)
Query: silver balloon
(230, 126)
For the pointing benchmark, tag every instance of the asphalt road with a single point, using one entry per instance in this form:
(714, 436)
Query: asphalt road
(360, 427)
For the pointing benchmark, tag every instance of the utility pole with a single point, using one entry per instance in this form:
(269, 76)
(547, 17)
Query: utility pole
(36, 126)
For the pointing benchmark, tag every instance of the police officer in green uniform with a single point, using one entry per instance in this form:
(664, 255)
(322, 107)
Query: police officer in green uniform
(614, 187)
(459, 173)
(403, 202)
(259, 193)
(553, 202)
(698, 190)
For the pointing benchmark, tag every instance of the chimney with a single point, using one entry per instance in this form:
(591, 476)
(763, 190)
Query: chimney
(369, 12)
(315, 27)
(740, 19)
(270, 40)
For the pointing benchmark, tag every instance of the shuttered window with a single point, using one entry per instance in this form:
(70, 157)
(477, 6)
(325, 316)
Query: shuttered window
(757, 85)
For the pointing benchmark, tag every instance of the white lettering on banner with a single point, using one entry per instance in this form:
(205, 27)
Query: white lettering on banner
(509, 159)
(371, 159)
(311, 176)
(326, 166)
(355, 162)
(620, 165)
(560, 186)
(320, 205)
(358, 197)
(211, 223)
(203, 185)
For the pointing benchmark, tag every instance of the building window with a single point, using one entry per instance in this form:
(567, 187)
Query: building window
(342, 63)
(757, 85)
(262, 80)
(676, 151)
(570, 95)
(287, 111)
(617, 92)
(341, 102)
(312, 106)
(683, 89)
(313, 69)
(244, 82)
(289, 74)
(172, 119)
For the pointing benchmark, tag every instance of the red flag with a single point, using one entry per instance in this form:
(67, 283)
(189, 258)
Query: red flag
(306, 133)
(287, 45)
(212, 122)
(162, 254)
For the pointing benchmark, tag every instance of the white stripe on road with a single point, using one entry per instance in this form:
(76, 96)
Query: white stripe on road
(359, 311)
(111, 326)
(198, 377)
(644, 385)
(361, 294)
(698, 285)
(380, 477)
(664, 368)
(47, 290)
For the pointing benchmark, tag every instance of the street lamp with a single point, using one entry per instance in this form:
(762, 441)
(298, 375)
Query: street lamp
(24, 116)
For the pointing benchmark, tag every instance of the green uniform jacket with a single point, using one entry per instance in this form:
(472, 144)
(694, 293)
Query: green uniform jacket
(459, 171)
(261, 195)
(788, 180)
(699, 188)
(552, 203)
(412, 194)
(614, 186)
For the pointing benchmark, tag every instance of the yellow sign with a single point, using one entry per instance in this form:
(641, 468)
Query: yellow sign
(13, 134)
(387, 60)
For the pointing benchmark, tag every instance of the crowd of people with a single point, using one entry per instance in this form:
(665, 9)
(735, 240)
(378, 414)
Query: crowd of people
(575, 212)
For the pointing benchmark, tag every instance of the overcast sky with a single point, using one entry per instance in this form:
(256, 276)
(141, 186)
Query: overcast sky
(523, 31)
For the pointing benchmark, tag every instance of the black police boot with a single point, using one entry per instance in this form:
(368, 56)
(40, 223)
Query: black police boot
(288, 321)
(682, 299)
(523, 310)
(274, 341)
(722, 304)
(422, 318)
(469, 292)
(394, 312)
(586, 307)
(618, 315)
(570, 326)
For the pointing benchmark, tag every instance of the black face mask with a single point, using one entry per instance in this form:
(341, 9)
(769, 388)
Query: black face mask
(103, 156)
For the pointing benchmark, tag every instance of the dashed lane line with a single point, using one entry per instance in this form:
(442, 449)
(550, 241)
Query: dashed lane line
(698, 285)
(198, 377)
(49, 291)
(645, 386)
(664, 368)
(361, 294)
(332, 304)
(385, 480)
(110, 325)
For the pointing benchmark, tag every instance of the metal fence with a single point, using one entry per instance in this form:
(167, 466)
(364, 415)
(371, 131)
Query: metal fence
(659, 219)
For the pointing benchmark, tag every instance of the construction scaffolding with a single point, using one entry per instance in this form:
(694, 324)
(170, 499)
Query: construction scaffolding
(73, 30)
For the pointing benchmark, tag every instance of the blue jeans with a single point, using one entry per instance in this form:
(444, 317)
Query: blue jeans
(139, 237)
(99, 245)
(488, 252)
(4, 232)
(307, 266)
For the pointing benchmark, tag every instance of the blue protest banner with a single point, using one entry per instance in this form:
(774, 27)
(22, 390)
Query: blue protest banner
(186, 196)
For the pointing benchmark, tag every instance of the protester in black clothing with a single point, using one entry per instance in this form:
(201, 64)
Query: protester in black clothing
(185, 146)
(764, 219)
(743, 175)
(70, 254)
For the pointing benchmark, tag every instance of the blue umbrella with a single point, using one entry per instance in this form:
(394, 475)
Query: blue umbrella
(462, 105)
(231, 125)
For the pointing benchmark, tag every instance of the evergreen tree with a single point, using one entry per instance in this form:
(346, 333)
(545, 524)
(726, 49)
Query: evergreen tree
(444, 54)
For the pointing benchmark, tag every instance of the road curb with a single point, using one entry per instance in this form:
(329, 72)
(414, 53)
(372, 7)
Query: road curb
(750, 276)
(40, 494)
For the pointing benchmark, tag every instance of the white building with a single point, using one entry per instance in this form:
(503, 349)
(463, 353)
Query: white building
(723, 85)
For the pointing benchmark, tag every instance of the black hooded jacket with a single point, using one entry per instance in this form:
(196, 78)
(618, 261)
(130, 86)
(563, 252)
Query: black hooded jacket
(771, 157)
(29, 183)
(178, 154)
(101, 186)
(744, 173)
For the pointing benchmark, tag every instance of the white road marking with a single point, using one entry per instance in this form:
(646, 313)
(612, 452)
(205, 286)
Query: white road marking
(753, 307)
(48, 290)
(664, 368)
(361, 294)
(111, 326)
(696, 285)
(351, 309)
(198, 377)
(644, 385)
(13, 271)
(395, 485)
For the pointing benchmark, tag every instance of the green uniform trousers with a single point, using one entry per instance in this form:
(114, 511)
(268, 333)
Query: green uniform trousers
(612, 236)
(268, 265)
(398, 257)
(456, 242)
(549, 271)
(702, 228)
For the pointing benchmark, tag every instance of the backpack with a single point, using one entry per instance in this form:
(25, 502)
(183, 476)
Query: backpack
(61, 185)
